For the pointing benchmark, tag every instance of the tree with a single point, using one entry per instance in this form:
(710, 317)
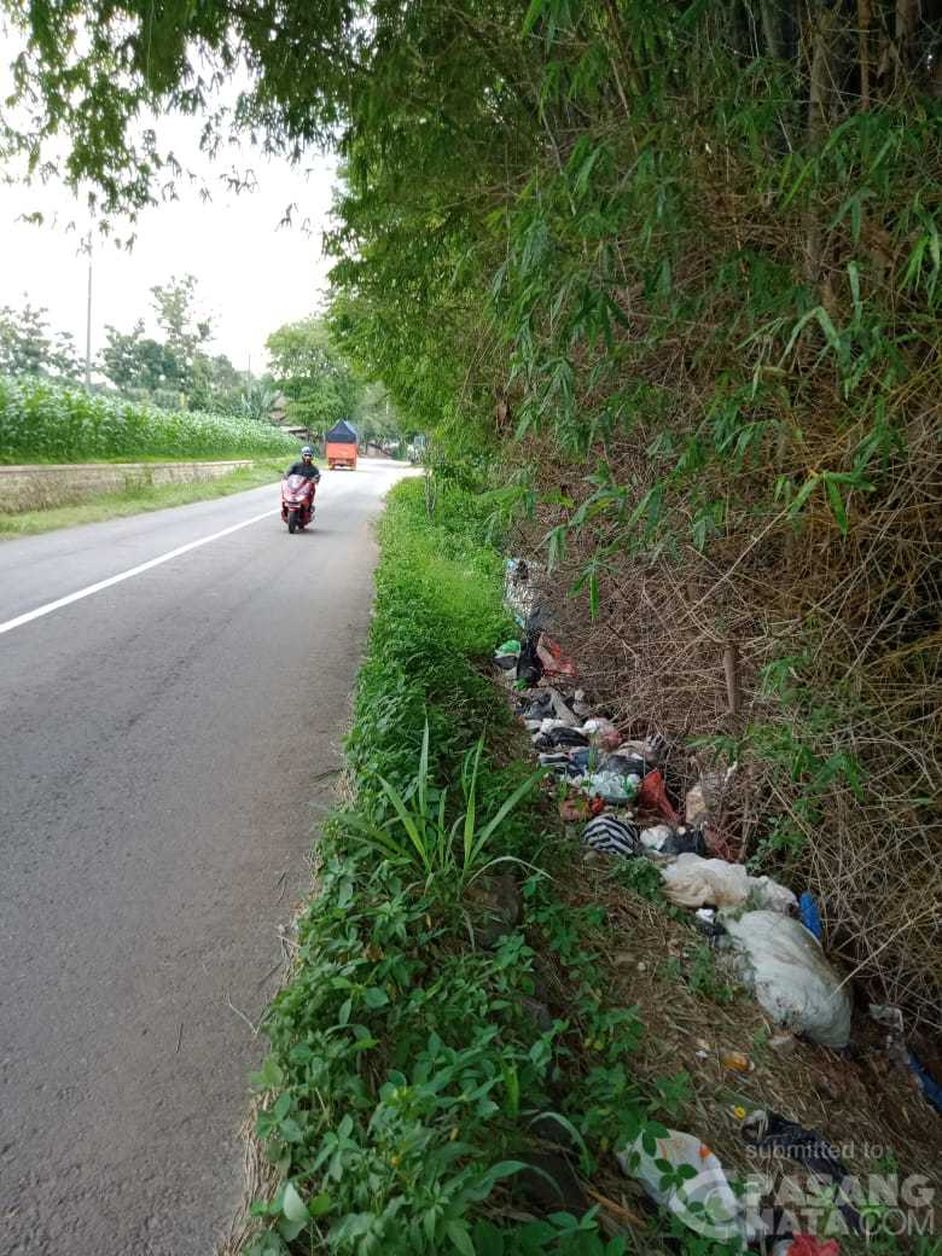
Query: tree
(318, 384)
(174, 370)
(138, 364)
(258, 399)
(215, 384)
(185, 333)
(375, 417)
(28, 348)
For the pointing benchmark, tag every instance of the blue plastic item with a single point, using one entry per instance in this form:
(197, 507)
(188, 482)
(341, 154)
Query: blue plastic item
(930, 1088)
(810, 916)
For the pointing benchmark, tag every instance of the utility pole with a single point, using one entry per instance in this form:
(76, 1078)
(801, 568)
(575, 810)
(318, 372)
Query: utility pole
(88, 320)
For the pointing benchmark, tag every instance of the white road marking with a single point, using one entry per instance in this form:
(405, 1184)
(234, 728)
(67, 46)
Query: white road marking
(126, 575)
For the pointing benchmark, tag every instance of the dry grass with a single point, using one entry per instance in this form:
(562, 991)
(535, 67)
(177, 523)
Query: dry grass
(862, 616)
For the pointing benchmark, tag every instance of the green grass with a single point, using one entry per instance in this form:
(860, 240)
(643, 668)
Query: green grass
(407, 1070)
(42, 421)
(409, 1079)
(138, 500)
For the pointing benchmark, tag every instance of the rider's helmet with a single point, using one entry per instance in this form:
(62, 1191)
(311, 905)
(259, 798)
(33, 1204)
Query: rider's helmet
(307, 452)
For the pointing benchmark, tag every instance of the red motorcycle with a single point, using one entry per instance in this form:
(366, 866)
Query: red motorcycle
(297, 501)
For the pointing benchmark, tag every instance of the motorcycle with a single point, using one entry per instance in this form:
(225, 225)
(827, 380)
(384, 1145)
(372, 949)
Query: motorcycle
(297, 501)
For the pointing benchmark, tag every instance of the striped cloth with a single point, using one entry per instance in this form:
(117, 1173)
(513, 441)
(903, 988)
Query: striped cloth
(612, 836)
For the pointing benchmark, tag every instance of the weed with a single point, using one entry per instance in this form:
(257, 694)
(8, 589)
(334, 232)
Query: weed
(418, 831)
(642, 876)
(700, 972)
(704, 977)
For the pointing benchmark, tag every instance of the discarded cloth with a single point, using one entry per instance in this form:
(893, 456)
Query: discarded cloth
(930, 1087)
(561, 708)
(519, 590)
(575, 809)
(602, 733)
(704, 919)
(695, 805)
(580, 706)
(557, 760)
(806, 1245)
(663, 839)
(537, 706)
(625, 764)
(892, 1019)
(704, 1201)
(791, 975)
(553, 734)
(529, 667)
(655, 837)
(693, 881)
(612, 836)
(777, 1136)
(721, 844)
(768, 1131)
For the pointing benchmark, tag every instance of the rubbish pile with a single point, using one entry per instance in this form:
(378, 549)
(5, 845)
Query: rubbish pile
(632, 803)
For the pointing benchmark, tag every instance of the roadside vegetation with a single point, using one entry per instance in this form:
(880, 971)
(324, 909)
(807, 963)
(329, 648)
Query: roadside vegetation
(665, 281)
(140, 497)
(669, 275)
(478, 1019)
(41, 421)
(310, 385)
(415, 1068)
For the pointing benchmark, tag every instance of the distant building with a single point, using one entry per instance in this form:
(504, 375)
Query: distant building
(278, 416)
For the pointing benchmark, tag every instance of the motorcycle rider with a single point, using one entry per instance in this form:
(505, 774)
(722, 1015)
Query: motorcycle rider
(306, 466)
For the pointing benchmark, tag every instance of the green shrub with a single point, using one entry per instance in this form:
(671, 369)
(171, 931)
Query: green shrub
(407, 1069)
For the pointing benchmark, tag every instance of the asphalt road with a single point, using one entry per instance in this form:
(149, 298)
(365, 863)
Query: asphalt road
(166, 745)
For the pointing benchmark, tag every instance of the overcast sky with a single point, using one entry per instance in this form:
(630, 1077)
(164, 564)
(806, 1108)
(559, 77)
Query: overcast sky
(252, 274)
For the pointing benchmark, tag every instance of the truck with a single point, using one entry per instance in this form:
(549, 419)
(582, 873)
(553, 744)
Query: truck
(341, 446)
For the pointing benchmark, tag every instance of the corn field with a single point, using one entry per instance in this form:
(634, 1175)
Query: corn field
(45, 422)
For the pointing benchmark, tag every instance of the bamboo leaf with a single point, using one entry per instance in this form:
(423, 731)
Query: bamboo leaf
(796, 332)
(853, 274)
(804, 493)
(836, 502)
(470, 815)
(423, 774)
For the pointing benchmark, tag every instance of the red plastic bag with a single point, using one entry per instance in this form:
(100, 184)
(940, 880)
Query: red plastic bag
(555, 660)
(652, 796)
(808, 1245)
(574, 809)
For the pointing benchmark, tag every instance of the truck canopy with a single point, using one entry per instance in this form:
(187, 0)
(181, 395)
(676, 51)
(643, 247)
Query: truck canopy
(341, 434)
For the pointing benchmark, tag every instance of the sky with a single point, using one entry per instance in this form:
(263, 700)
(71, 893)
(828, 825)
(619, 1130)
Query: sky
(252, 274)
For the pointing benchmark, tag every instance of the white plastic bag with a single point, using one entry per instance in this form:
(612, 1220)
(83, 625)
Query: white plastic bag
(792, 978)
(602, 733)
(519, 588)
(611, 786)
(718, 1213)
(655, 837)
(692, 881)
